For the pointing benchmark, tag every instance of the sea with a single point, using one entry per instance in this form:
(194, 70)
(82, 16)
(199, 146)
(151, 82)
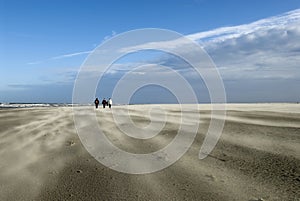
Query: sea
(30, 105)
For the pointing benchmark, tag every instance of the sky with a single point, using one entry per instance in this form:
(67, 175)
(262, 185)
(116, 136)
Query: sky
(254, 45)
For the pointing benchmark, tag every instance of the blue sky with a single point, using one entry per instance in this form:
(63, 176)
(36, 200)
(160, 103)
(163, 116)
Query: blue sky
(43, 43)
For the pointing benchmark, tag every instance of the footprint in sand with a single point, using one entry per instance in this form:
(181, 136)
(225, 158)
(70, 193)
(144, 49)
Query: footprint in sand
(210, 177)
(71, 143)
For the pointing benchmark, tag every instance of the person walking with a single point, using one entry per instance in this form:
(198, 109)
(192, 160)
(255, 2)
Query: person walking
(104, 102)
(109, 103)
(96, 102)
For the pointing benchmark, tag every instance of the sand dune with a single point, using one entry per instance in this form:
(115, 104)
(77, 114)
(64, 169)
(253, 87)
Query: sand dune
(257, 156)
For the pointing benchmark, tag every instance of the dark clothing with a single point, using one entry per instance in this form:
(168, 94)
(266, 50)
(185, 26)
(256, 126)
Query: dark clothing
(96, 102)
(104, 103)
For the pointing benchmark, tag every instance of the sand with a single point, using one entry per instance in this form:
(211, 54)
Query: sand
(256, 158)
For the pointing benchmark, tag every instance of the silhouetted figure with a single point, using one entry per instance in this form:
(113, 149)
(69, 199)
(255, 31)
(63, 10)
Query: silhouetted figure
(104, 102)
(109, 103)
(96, 102)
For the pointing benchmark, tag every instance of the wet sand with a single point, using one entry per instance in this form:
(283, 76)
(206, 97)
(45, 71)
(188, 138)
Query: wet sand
(257, 157)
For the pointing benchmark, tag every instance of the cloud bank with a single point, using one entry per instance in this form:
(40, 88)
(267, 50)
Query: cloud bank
(259, 62)
(265, 49)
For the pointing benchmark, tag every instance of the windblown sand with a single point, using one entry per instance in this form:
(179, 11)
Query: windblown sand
(256, 158)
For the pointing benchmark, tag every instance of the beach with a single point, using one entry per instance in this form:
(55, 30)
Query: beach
(256, 158)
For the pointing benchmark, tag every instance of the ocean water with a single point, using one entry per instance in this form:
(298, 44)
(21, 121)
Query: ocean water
(29, 105)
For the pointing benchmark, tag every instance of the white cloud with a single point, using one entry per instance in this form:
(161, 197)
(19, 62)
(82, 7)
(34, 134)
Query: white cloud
(71, 55)
(60, 57)
(34, 62)
(223, 33)
(113, 33)
(265, 49)
(270, 53)
(74, 54)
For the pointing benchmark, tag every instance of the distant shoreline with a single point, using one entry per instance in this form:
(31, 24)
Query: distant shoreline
(37, 105)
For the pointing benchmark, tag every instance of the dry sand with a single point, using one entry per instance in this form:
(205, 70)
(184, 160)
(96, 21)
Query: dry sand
(256, 158)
